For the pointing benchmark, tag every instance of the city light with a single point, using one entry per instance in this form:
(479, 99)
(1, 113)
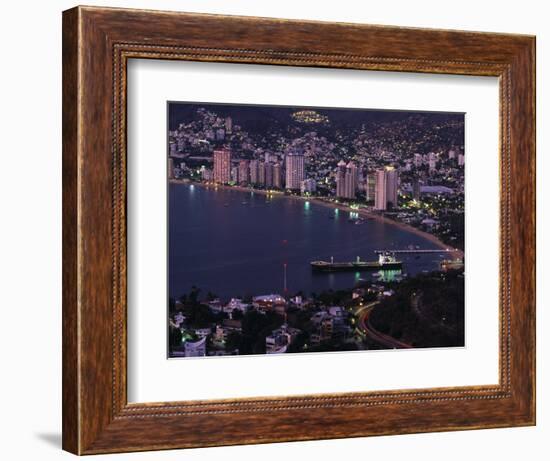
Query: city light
(309, 116)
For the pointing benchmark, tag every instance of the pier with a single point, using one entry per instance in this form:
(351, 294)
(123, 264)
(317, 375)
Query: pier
(415, 251)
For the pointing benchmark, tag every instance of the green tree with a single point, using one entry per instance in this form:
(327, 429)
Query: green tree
(211, 296)
(198, 315)
(194, 295)
(233, 341)
(174, 338)
(237, 314)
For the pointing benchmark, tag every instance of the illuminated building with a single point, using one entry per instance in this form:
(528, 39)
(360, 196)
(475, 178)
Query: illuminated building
(196, 348)
(340, 179)
(235, 174)
(268, 303)
(206, 174)
(243, 172)
(261, 173)
(254, 171)
(277, 176)
(370, 187)
(294, 170)
(269, 174)
(279, 340)
(386, 189)
(432, 161)
(346, 180)
(350, 184)
(392, 179)
(222, 165)
(308, 186)
(416, 189)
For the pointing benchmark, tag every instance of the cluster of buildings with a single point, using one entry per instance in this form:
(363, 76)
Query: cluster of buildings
(266, 173)
(281, 339)
(305, 324)
(325, 324)
(380, 186)
(382, 165)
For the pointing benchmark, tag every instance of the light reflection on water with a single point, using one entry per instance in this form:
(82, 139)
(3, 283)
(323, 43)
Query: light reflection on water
(388, 276)
(234, 243)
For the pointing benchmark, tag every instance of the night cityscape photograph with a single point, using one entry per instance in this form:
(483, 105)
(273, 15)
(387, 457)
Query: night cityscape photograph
(309, 229)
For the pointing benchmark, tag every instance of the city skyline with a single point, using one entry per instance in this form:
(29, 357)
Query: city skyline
(383, 187)
(270, 169)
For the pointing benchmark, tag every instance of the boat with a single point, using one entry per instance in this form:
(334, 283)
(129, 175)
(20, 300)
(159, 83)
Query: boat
(451, 264)
(386, 261)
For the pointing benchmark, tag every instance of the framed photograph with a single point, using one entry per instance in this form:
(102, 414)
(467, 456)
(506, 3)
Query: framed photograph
(280, 230)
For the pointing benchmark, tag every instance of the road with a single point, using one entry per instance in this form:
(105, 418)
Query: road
(365, 327)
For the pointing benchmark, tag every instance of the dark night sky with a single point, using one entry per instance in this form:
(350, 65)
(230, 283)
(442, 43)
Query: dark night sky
(252, 117)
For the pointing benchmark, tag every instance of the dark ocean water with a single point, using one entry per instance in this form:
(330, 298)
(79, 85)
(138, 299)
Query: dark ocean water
(235, 243)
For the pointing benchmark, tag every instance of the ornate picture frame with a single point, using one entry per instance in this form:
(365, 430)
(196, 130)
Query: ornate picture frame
(97, 44)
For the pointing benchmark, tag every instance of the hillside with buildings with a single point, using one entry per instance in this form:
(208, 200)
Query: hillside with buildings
(409, 168)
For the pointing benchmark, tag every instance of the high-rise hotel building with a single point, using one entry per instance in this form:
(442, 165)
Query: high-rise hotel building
(244, 176)
(254, 179)
(268, 174)
(346, 180)
(385, 195)
(370, 187)
(261, 173)
(294, 170)
(222, 165)
(340, 179)
(277, 176)
(350, 187)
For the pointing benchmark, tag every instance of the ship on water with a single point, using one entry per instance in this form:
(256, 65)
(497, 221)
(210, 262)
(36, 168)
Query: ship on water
(386, 261)
(451, 264)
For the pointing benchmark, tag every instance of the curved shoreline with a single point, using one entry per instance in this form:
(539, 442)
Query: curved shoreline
(454, 252)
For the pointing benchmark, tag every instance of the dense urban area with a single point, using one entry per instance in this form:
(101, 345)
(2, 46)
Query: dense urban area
(398, 166)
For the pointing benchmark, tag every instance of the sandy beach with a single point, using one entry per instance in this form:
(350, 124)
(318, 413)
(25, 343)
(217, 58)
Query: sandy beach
(454, 252)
